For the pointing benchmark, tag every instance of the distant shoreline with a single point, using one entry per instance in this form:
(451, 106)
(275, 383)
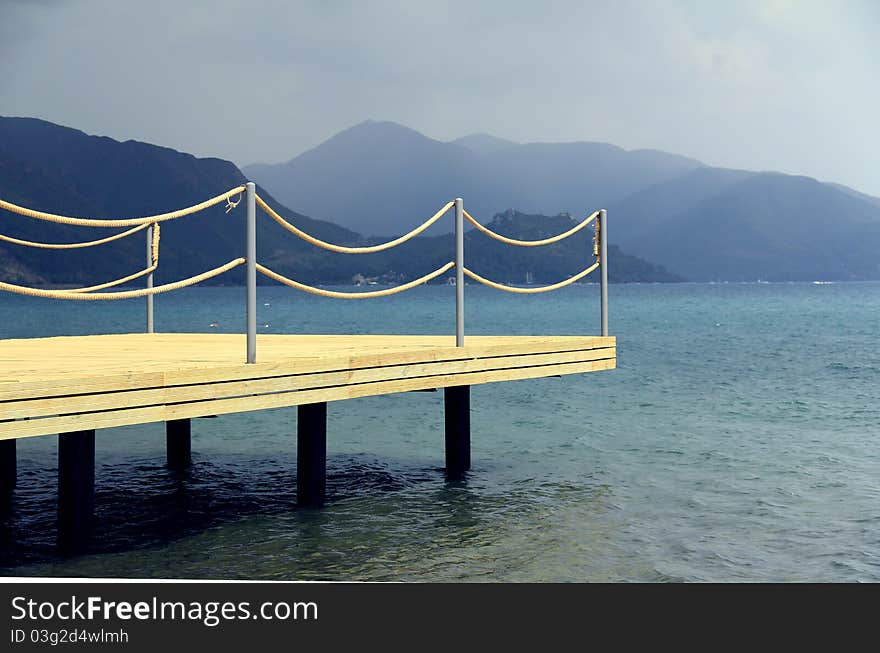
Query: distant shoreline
(816, 282)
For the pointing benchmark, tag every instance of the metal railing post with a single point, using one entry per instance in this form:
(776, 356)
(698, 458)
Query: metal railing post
(150, 278)
(603, 265)
(251, 275)
(459, 272)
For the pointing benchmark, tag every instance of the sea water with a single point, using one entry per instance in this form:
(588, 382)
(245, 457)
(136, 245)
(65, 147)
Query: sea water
(738, 440)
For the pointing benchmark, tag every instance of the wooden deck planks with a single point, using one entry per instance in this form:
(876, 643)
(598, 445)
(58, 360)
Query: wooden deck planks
(50, 385)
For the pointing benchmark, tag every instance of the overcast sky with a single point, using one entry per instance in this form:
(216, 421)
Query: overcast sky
(790, 85)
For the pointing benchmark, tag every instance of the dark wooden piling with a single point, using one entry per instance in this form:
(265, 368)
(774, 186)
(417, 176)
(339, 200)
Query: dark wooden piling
(8, 472)
(457, 406)
(76, 488)
(178, 443)
(311, 455)
(8, 465)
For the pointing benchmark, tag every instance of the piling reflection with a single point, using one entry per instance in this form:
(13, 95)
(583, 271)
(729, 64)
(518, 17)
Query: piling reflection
(141, 504)
(235, 516)
(461, 506)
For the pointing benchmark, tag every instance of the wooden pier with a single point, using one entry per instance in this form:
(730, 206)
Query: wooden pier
(73, 386)
(57, 385)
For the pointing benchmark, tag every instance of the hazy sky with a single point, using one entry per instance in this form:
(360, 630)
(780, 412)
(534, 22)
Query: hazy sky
(773, 84)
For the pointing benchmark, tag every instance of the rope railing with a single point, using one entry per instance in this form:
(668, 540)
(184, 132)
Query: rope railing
(117, 282)
(154, 264)
(91, 293)
(350, 250)
(154, 259)
(530, 243)
(529, 290)
(385, 292)
(125, 222)
(123, 294)
(90, 243)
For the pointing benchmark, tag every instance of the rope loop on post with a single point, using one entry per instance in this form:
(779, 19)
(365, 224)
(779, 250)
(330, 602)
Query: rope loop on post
(230, 204)
(154, 246)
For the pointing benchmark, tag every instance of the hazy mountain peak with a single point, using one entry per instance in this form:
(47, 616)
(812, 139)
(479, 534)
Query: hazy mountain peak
(377, 130)
(480, 143)
(373, 164)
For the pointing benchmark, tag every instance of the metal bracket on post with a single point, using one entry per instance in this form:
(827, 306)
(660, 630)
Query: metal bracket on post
(459, 272)
(251, 274)
(603, 267)
(150, 278)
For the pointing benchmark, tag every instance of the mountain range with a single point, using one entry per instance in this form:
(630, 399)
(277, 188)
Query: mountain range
(62, 170)
(700, 222)
(381, 178)
(691, 221)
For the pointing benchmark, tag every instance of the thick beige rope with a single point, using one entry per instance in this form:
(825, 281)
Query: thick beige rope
(351, 250)
(154, 245)
(90, 243)
(354, 295)
(127, 294)
(531, 243)
(128, 222)
(154, 256)
(117, 282)
(529, 291)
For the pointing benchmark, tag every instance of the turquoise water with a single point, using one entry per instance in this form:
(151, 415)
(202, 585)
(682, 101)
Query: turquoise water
(739, 440)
